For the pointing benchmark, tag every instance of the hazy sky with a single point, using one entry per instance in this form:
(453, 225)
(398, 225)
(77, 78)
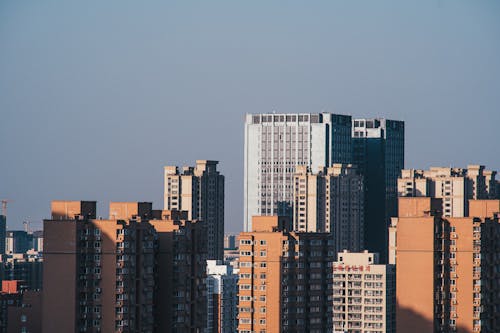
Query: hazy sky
(97, 96)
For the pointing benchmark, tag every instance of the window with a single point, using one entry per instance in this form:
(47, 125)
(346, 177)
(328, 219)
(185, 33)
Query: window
(23, 318)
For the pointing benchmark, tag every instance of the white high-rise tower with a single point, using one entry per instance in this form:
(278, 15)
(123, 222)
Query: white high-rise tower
(276, 143)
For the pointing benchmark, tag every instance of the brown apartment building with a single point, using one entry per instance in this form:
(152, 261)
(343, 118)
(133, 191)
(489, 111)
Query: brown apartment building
(130, 273)
(199, 190)
(20, 309)
(331, 200)
(447, 268)
(456, 186)
(285, 278)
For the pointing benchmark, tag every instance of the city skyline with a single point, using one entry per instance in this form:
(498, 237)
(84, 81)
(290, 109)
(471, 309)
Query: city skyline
(75, 98)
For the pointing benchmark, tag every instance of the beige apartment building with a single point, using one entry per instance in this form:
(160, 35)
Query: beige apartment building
(284, 279)
(456, 186)
(363, 294)
(331, 200)
(446, 267)
(199, 190)
(139, 271)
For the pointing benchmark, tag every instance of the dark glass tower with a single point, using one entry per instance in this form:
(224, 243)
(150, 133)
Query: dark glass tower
(378, 150)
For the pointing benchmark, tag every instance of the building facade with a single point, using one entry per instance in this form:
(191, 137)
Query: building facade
(25, 268)
(378, 151)
(222, 297)
(26, 316)
(332, 201)
(456, 186)
(285, 278)
(18, 241)
(199, 190)
(446, 268)
(275, 144)
(363, 294)
(229, 242)
(130, 273)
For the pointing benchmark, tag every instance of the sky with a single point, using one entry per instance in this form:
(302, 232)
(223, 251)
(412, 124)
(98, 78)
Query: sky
(97, 96)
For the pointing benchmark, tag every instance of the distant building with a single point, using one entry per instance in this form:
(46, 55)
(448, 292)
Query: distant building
(363, 294)
(229, 242)
(456, 186)
(139, 271)
(27, 269)
(285, 278)
(38, 241)
(332, 201)
(231, 257)
(10, 295)
(222, 298)
(20, 309)
(446, 267)
(199, 190)
(18, 241)
(378, 151)
(275, 144)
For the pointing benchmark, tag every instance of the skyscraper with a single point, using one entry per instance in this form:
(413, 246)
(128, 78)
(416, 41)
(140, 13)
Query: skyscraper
(331, 201)
(275, 144)
(378, 150)
(199, 190)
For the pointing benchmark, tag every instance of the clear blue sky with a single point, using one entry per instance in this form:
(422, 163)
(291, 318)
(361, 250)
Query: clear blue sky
(97, 96)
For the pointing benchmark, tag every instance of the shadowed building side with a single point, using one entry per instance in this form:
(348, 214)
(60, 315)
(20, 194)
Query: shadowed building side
(446, 268)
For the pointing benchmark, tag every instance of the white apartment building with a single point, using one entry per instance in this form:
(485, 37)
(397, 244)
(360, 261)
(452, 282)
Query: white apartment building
(275, 144)
(363, 294)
